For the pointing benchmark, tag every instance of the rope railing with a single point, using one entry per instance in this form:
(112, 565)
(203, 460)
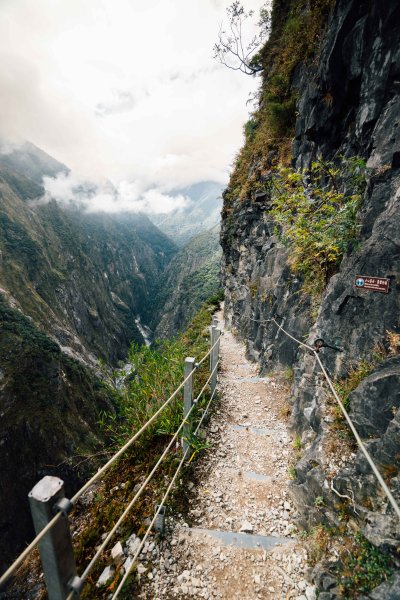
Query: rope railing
(168, 491)
(18, 561)
(131, 504)
(150, 527)
(346, 415)
(64, 507)
(133, 439)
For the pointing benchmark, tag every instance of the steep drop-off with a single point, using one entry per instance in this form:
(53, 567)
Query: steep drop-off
(84, 278)
(346, 100)
(192, 276)
(50, 406)
(72, 289)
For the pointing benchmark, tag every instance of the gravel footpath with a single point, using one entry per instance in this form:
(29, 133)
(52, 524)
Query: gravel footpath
(243, 490)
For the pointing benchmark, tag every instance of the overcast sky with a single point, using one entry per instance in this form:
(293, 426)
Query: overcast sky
(123, 89)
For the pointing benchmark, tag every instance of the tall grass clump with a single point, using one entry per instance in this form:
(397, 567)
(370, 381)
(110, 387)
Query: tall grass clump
(153, 375)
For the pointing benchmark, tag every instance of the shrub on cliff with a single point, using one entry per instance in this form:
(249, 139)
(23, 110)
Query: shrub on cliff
(317, 215)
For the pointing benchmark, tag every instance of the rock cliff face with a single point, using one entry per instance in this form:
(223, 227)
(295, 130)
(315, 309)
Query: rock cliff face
(348, 104)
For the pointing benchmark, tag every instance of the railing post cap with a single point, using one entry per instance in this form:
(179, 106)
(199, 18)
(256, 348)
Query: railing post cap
(190, 359)
(46, 488)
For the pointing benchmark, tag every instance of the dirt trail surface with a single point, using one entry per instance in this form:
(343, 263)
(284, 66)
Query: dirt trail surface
(240, 543)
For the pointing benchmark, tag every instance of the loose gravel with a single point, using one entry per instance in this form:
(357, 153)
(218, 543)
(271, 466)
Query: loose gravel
(242, 492)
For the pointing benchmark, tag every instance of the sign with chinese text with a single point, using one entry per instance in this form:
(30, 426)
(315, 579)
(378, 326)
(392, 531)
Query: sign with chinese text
(373, 284)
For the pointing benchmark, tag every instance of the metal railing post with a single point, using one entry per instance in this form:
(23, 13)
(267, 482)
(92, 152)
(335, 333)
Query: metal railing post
(215, 334)
(56, 553)
(187, 400)
(214, 323)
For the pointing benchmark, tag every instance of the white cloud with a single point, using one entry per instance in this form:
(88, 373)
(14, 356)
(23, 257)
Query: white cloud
(69, 191)
(125, 91)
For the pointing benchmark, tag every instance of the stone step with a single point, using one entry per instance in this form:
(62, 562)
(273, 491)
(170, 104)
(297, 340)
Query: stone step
(256, 430)
(257, 476)
(242, 540)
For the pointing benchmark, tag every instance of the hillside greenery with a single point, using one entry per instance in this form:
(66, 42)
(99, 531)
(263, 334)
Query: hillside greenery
(50, 405)
(296, 33)
(315, 217)
(156, 373)
(192, 276)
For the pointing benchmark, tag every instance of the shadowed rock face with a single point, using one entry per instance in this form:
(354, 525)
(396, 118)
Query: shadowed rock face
(359, 71)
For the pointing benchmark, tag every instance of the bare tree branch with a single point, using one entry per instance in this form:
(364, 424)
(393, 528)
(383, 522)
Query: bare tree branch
(231, 50)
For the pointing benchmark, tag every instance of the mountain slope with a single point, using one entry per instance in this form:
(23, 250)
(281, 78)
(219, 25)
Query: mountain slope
(84, 278)
(72, 286)
(191, 277)
(50, 406)
(200, 214)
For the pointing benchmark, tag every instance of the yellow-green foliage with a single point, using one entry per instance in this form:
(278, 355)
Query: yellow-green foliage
(317, 220)
(362, 567)
(295, 37)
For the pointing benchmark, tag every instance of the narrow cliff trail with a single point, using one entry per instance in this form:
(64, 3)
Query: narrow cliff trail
(240, 542)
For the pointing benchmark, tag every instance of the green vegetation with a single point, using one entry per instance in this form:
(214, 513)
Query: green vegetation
(339, 439)
(288, 374)
(316, 220)
(192, 276)
(355, 376)
(297, 443)
(50, 405)
(362, 567)
(295, 37)
(156, 373)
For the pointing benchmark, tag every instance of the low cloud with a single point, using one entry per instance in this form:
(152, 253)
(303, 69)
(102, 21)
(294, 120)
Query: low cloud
(128, 91)
(69, 191)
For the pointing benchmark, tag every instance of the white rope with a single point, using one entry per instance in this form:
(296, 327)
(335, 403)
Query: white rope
(126, 575)
(138, 551)
(133, 501)
(350, 423)
(138, 433)
(7, 574)
(143, 486)
(206, 355)
(205, 412)
(206, 383)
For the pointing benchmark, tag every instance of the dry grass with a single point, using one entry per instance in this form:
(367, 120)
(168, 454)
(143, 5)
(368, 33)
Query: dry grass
(393, 340)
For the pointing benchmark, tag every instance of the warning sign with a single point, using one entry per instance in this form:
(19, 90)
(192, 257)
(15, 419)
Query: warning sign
(373, 284)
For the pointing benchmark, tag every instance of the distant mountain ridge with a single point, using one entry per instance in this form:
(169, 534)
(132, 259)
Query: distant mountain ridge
(200, 214)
